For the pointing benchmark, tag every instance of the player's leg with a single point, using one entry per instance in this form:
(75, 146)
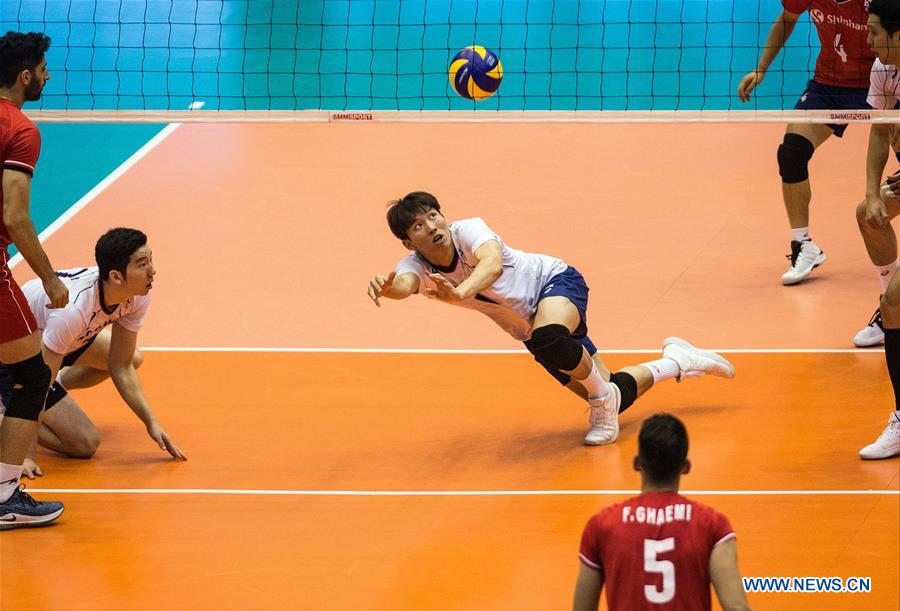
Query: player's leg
(89, 366)
(28, 378)
(888, 443)
(881, 245)
(800, 142)
(66, 429)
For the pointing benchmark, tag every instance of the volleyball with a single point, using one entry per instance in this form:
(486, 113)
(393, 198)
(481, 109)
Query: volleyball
(475, 73)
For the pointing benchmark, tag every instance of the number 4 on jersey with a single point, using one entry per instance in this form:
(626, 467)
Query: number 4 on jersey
(839, 47)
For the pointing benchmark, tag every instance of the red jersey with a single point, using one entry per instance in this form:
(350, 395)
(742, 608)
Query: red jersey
(653, 551)
(845, 58)
(20, 147)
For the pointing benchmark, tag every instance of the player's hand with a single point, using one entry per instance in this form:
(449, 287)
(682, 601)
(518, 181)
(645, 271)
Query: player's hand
(379, 286)
(891, 188)
(443, 290)
(158, 435)
(57, 292)
(750, 81)
(876, 214)
(31, 469)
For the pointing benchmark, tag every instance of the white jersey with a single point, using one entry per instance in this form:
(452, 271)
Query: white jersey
(512, 300)
(884, 86)
(67, 329)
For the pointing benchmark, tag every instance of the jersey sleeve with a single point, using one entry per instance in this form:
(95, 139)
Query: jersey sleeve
(134, 320)
(796, 6)
(878, 98)
(473, 233)
(23, 150)
(589, 552)
(410, 265)
(720, 529)
(64, 327)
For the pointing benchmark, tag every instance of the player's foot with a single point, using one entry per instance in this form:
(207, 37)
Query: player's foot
(694, 362)
(604, 418)
(805, 256)
(872, 334)
(887, 444)
(22, 511)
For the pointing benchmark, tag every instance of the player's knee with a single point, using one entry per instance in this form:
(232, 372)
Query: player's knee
(861, 215)
(890, 301)
(554, 345)
(30, 379)
(793, 158)
(138, 359)
(55, 394)
(627, 386)
(85, 444)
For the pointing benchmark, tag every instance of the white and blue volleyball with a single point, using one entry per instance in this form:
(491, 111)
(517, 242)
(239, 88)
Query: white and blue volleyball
(475, 73)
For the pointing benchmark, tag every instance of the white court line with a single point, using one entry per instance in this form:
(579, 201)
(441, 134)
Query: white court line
(103, 184)
(449, 492)
(476, 351)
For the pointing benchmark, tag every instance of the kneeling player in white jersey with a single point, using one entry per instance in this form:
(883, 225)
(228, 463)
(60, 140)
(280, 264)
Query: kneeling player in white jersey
(881, 206)
(539, 300)
(78, 345)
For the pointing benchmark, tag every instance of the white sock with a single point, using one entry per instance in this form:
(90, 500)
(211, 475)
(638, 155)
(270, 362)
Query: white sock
(596, 386)
(885, 273)
(662, 369)
(799, 234)
(9, 480)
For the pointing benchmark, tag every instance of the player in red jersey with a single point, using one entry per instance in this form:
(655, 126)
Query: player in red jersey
(841, 81)
(23, 73)
(659, 550)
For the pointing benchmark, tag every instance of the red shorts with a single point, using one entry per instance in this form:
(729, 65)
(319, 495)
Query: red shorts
(16, 319)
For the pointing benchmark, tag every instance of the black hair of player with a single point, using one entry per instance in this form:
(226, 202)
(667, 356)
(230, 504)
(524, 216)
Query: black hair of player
(114, 249)
(888, 12)
(402, 212)
(662, 448)
(18, 52)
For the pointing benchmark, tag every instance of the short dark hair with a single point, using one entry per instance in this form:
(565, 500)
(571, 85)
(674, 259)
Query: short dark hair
(20, 52)
(888, 12)
(402, 212)
(662, 447)
(115, 247)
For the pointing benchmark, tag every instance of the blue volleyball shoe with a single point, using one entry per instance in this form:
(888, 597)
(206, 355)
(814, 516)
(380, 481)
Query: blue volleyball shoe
(22, 511)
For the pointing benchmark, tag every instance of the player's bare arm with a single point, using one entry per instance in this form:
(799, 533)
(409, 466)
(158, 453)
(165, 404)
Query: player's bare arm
(726, 578)
(124, 376)
(488, 269)
(16, 217)
(876, 159)
(587, 589)
(393, 286)
(778, 35)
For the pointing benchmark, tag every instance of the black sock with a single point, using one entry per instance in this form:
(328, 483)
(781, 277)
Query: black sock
(892, 356)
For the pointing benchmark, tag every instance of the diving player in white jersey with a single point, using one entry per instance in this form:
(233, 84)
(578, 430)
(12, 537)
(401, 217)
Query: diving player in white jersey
(881, 206)
(77, 342)
(539, 300)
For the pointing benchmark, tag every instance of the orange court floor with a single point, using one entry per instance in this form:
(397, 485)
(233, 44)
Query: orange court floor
(343, 456)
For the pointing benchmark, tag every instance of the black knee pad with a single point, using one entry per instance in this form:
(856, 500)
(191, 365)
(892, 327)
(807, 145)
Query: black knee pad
(552, 344)
(55, 394)
(627, 386)
(793, 158)
(30, 379)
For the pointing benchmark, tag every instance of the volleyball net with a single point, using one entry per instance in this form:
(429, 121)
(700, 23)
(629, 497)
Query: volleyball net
(327, 59)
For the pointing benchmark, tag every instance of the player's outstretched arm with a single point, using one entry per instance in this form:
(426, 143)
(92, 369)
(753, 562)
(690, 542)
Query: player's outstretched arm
(587, 589)
(392, 286)
(778, 35)
(17, 218)
(726, 578)
(488, 269)
(120, 362)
